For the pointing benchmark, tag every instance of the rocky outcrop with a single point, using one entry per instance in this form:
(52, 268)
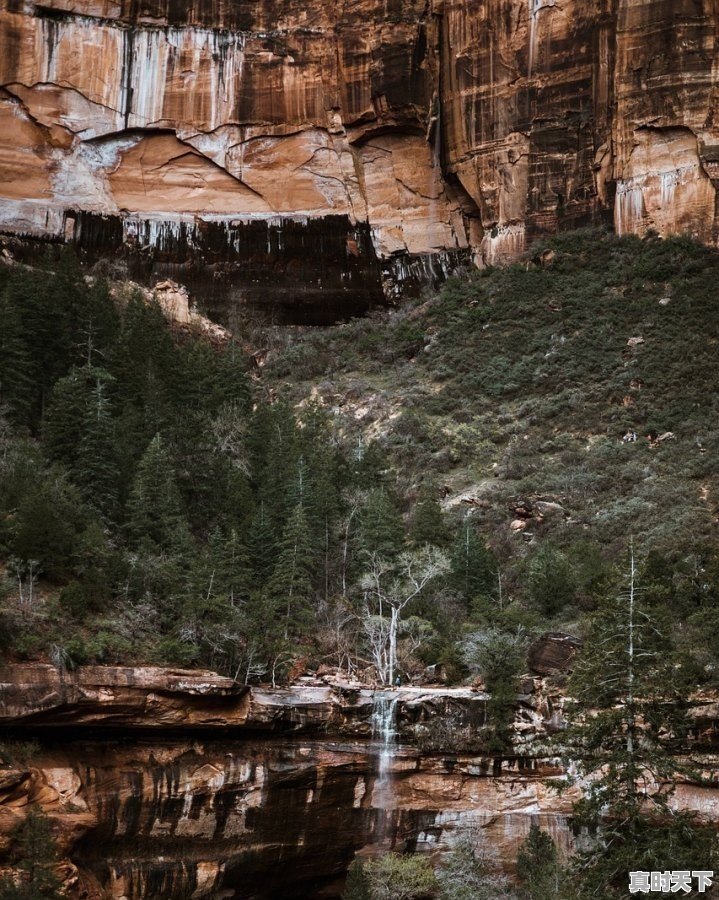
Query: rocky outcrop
(191, 134)
(175, 784)
(258, 818)
(35, 694)
(552, 652)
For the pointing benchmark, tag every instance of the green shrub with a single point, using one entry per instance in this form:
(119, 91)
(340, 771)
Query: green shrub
(391, 877)
(551, 580)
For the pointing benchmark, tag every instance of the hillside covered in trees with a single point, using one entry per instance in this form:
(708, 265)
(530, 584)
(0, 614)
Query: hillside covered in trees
(476, 461)
(434, 485)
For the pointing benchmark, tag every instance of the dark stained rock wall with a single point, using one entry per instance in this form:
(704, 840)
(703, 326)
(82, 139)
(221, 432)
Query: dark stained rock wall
(441, 131)
(175, 784)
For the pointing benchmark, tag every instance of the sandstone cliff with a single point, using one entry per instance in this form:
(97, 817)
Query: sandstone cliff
(386, 141)
(175, 784)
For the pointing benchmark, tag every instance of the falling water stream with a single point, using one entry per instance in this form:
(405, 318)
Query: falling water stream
(384, 732)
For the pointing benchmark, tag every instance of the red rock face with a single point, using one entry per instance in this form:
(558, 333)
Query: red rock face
(455, 127)
(172, 784)
(252, 818)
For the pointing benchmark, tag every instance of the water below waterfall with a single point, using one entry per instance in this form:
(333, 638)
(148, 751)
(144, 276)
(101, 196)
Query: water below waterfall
(384, 732)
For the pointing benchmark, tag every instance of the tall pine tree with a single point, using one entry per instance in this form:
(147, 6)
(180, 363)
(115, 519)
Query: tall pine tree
(156, 519)
(97, 469)
(427, 525)
(381, 530)
(17, 367)
(627, 738)
(291, 585)
(474, 568)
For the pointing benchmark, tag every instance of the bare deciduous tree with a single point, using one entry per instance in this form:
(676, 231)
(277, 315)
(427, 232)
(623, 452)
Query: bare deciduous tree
(388, 589)
(27, 572)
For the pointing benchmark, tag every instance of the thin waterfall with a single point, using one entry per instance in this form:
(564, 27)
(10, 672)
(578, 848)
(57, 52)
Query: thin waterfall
(384, 732)
(533, 10)
(437, 189)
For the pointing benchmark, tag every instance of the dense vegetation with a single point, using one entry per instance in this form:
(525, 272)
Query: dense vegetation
(34, 858)
(511, 394)
(434, 484)
(158, 504)
(151, 512)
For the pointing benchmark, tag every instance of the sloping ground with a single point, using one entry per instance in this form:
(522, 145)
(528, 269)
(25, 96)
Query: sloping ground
(570, 400)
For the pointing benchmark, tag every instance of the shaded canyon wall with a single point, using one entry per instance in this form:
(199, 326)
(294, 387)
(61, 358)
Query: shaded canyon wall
(173, 784)
(401, 129)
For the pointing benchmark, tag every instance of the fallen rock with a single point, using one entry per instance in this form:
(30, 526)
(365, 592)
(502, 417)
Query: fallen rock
(552, 652)
(548, 509)
(174, 301)
(522, 509)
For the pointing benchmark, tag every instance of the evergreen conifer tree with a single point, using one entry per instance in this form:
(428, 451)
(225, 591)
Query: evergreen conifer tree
(231, 377)
(381, 530)
(259, 437)
(97, 324)
(538, 867)
(66, 410)
(35, 859)
(325, 475)
(627, 734)
(262, 542)
(97, 470)
(155, 514)
(291, 585)
(143, 366)
(17, 367)
(474, 568)
(500, 656)
(281, 483)
(427, 524)
(230, 561)
(551, 580)
(48, 308)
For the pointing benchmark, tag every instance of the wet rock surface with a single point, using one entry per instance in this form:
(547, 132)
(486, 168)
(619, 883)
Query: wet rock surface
(222, 145)
(266, 818)
(177, 784)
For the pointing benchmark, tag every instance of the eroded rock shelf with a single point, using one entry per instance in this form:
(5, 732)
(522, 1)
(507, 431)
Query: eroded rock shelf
(442, 131)
(176, 784)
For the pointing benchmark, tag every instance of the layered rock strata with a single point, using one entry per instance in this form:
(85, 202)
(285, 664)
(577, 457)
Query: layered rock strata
(257, 818)
(183, 134)
(175, 784)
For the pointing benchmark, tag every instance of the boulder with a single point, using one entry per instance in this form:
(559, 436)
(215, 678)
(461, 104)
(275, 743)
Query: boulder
(552, 652)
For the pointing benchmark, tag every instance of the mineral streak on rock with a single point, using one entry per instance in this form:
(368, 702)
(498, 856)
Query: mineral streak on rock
(446, 129)
(259, 818)
(178, 784)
